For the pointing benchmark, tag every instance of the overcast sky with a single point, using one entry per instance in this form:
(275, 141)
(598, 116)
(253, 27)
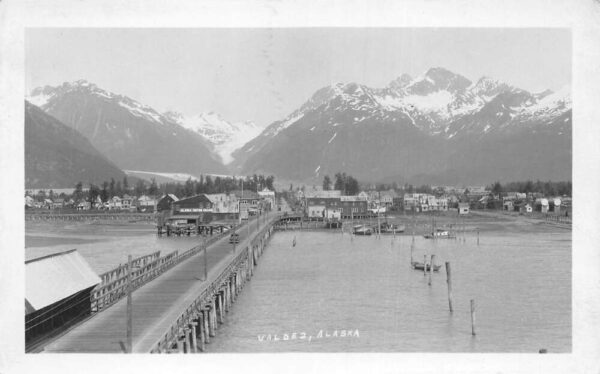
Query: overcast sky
(264, 74)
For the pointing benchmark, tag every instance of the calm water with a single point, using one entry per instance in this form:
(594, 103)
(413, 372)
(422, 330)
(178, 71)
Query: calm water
(521, 283)
(103, 244)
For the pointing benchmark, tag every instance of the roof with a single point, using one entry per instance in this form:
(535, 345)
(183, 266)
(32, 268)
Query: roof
(172, 196)
(183, 216)
(51, 278)
(193, 200)
(248, 194)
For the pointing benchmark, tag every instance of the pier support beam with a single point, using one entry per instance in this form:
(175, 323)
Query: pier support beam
(193, 337)
(206, 329)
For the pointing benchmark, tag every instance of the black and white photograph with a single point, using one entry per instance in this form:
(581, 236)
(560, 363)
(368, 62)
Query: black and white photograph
(256, 188)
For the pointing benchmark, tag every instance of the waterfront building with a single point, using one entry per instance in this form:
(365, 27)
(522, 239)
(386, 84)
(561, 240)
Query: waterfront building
(353, 206)
(164, 203)
(57, 292)
(323, 207)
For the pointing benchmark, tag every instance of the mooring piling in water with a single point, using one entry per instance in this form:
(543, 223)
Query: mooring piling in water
(477, 236)
(473, 317)
(431, 268)
(449, 281)
(424, 265)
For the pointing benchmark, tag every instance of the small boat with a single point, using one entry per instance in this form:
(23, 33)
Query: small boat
(362, 230)
(439, 234)
(391, 228)
(419, 266)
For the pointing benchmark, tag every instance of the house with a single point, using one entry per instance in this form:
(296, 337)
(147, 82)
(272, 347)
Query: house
(126, 202)
(84, 205)
(523, 207)
(115, 203)
(463, 208)
(58, 203)
(363, 196)
(29, 202)
(508, 205)
(386, 198)
(164, 203)
(146, 204)
(48, 204)
(52, 282)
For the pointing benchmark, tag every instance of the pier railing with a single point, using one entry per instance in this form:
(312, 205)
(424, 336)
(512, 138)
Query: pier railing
(213, 287)
(144, 269)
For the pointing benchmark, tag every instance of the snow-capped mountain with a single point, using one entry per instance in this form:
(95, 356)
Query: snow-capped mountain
(226, 137)
(432, 125)
(132, 135)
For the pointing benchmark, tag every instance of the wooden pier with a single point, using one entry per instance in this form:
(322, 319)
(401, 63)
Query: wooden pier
(178, 310)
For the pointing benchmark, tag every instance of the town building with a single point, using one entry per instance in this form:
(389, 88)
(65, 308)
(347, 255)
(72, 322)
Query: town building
(268, 197)
(463, 208)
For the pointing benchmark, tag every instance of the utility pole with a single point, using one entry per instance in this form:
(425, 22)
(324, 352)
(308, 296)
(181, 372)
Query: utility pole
(129, 308)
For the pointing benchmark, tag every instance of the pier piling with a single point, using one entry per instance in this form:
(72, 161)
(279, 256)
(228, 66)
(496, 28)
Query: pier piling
(473, 317)
(449, 281)
(424, 265)
(431, 269)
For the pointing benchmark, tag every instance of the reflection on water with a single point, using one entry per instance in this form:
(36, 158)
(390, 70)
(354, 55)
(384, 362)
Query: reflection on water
(327, 284)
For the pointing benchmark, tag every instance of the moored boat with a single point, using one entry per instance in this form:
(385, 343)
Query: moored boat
(362, 230)
(419, 266)
(439, 234)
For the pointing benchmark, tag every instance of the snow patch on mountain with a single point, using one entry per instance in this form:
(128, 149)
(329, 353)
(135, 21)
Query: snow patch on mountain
(226, 137)
(434, 102)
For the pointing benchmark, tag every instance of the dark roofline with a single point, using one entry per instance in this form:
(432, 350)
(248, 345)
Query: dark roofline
(51, 255)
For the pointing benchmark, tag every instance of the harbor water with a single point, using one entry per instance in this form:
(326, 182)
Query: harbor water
(331, 293)
(334, 292)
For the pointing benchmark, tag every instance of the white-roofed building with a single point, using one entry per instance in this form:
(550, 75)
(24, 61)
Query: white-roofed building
(57, 292)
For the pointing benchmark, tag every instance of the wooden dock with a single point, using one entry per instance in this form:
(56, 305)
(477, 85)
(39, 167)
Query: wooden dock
(164, 308)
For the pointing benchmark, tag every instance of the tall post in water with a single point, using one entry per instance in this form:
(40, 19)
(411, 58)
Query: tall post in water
(449, 281)
(129, 308)
(431, 268)
(473, 317)
(478, 236)
(424, 265)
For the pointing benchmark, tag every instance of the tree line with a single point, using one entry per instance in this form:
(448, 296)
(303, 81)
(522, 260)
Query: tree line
(547, 188)
(343, 182)
(206, 184)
